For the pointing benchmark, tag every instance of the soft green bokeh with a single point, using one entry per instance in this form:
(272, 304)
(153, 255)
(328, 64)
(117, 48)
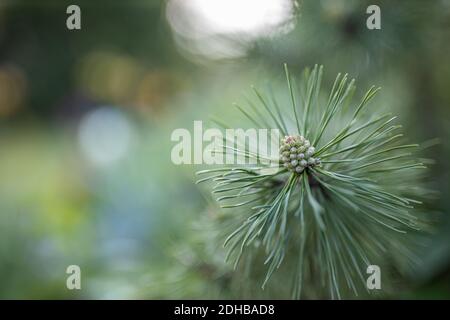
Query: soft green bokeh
(129, 220)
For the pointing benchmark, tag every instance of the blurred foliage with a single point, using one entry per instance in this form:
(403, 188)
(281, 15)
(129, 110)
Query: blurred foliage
(128, 222)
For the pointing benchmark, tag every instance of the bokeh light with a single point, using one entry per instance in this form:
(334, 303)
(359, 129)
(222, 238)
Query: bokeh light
(105, 136)
(12, 90)
(218, 29)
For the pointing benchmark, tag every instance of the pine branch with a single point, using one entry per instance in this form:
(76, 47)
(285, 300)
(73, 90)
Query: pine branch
(343, 197)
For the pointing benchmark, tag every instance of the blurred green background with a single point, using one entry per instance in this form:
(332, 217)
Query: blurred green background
(86, 117)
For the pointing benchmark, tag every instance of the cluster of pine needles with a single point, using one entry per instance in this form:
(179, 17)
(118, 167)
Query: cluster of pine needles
(332, 220)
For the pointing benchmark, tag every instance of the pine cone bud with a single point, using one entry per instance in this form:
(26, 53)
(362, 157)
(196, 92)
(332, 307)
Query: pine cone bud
(296, 153)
